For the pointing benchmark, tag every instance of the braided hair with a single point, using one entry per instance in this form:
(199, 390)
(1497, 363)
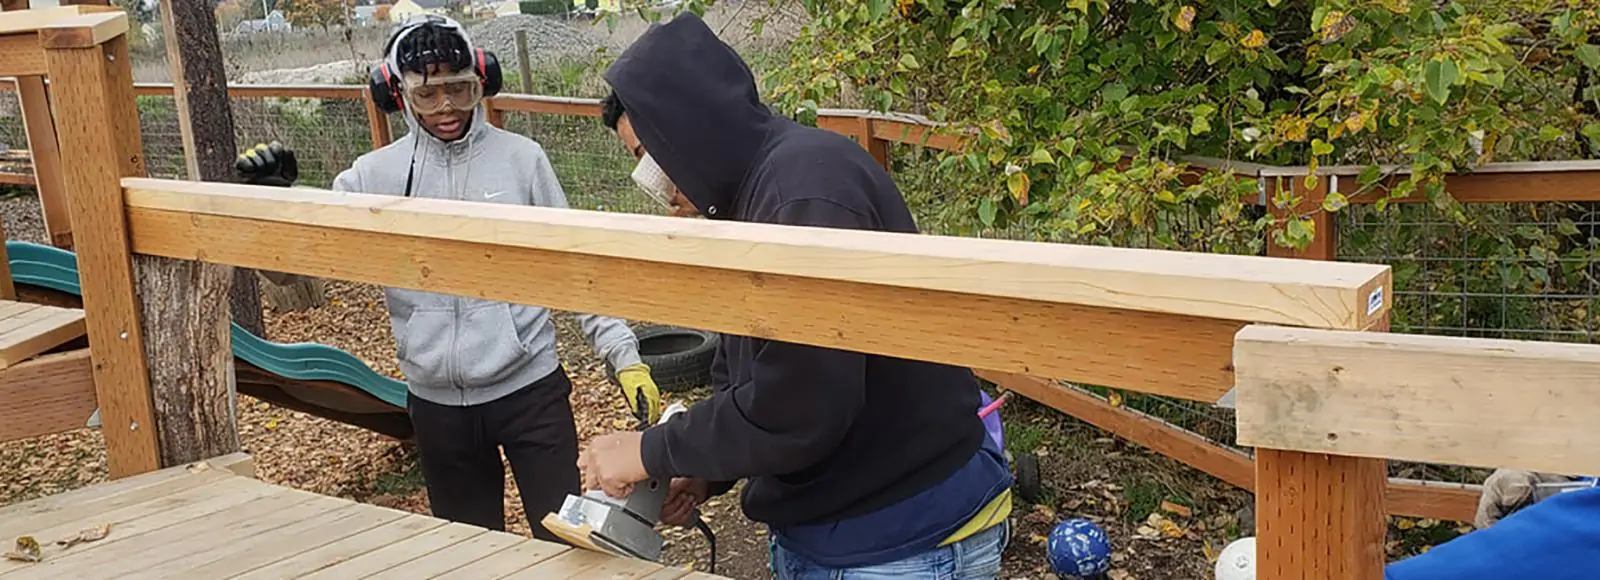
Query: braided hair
(432, 44)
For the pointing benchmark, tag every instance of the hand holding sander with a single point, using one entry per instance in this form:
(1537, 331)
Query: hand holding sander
(625, 526)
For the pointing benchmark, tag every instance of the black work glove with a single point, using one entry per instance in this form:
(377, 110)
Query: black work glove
(272, 165)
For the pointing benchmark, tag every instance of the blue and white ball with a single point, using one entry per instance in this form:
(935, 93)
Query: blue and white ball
(1078, 550)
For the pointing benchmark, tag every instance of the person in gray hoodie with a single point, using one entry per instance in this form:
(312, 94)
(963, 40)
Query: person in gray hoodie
(482, 375)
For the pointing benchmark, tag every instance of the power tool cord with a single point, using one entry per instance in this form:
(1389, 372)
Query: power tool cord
(711, 539)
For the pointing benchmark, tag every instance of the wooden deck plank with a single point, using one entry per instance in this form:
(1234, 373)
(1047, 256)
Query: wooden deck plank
(399, 553)
(505, 562)
(109, 489)
(669, 573)
(10, 308)
(569, 564)
(614, 568)
(86, 502)
(462, 554)
(278, 507)
(154, 514)
(349, 519)
(341, 551)
(35, 328)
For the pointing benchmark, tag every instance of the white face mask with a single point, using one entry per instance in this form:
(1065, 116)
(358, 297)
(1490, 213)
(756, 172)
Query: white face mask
(653, 181)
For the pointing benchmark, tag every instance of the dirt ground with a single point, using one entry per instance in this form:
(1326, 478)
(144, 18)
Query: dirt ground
(1163, 519)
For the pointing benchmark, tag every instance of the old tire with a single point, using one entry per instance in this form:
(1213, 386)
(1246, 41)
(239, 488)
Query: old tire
(1027, 485)
(679, 358)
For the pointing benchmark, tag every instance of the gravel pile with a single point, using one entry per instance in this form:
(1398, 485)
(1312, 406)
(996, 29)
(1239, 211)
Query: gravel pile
(549, 40)
(331, 73)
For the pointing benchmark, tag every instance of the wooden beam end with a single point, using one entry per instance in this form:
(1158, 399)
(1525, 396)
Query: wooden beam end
(84, 30)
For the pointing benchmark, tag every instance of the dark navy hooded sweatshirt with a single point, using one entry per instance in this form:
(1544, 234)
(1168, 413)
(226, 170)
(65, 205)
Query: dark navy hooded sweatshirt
(852, 459)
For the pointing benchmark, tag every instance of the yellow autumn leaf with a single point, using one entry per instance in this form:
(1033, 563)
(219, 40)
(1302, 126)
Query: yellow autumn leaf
(1169, 529)
(1335, 25)
(1404, 524)
(272, 424)
(1185, 19)
(1114, 398)
(27, 550)
(1355, 121)
(1018, 184)
(1256, 39)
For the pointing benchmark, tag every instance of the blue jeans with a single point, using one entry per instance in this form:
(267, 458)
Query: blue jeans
(977, 556)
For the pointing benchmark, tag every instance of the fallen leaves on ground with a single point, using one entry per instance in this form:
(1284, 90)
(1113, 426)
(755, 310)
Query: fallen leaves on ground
(27, 550)
(93, 534)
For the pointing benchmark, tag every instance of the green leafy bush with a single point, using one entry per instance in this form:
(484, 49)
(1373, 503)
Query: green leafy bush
(1085, 110)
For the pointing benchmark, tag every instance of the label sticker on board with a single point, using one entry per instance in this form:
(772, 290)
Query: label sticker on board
(1374, 300)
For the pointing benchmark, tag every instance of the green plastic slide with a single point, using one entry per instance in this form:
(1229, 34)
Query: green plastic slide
(57, 269)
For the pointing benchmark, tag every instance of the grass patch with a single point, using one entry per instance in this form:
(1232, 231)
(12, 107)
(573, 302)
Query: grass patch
(403, 481)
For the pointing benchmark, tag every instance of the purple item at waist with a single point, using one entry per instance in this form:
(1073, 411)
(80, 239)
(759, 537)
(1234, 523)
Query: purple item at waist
(991, 422)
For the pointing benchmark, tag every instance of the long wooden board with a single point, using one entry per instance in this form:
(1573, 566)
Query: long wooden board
(1166, 354)
(1433, 399)
(1244, 288)
(49, 394)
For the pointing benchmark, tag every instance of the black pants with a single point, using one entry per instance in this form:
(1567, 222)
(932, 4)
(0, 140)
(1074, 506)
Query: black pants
(460, 453)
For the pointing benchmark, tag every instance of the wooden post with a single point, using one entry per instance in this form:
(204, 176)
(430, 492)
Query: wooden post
(186, 304)
(859, 129)
(205, 120)
(1321, 517)
(524, 70)
(377, 122)
(96, 120)
(46, 154)
(13, 5)
(1325, 246)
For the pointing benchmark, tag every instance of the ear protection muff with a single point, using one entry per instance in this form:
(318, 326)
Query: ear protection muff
(384, 78)
(488, 71)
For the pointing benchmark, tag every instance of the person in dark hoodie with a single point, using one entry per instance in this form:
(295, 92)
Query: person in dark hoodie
(861, 465)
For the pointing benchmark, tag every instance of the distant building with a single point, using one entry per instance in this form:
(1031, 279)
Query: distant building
(274, 22)
(404, 9)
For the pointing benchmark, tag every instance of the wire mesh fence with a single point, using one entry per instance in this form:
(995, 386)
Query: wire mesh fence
(12, 134)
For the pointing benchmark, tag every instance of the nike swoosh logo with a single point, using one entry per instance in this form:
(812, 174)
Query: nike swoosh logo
(493, 195)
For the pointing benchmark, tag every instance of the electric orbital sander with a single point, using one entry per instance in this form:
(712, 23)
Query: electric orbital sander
(626, 526)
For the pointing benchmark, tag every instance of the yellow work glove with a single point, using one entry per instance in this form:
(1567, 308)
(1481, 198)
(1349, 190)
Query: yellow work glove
(641, 393)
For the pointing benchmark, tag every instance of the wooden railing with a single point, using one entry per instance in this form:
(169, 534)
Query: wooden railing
(1342, 403)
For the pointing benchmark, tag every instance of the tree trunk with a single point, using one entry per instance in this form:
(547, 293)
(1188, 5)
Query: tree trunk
(301, 294)
(186, 304)
(200, 89)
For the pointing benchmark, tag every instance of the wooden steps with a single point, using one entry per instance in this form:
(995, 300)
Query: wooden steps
(28, 330)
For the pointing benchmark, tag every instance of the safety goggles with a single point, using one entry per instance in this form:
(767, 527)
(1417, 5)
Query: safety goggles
(431, 94)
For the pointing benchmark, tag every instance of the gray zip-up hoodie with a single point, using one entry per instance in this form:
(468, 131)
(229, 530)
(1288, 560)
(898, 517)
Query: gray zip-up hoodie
(456, 350)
